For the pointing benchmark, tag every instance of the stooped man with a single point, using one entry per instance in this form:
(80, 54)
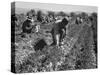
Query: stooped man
(27, 25)
(59, 31)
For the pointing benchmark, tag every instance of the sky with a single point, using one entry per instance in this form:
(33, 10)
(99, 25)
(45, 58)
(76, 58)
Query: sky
(57, 7)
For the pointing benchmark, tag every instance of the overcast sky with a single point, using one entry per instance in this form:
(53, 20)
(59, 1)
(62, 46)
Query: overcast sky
(56, 7)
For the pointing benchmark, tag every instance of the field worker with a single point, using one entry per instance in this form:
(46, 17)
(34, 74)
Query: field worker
(27, 25)
(58, 31)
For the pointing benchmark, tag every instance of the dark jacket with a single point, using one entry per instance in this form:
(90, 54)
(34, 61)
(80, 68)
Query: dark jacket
(26, 27)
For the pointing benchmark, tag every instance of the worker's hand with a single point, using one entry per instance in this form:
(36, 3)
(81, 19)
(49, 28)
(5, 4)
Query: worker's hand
(64, 32)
